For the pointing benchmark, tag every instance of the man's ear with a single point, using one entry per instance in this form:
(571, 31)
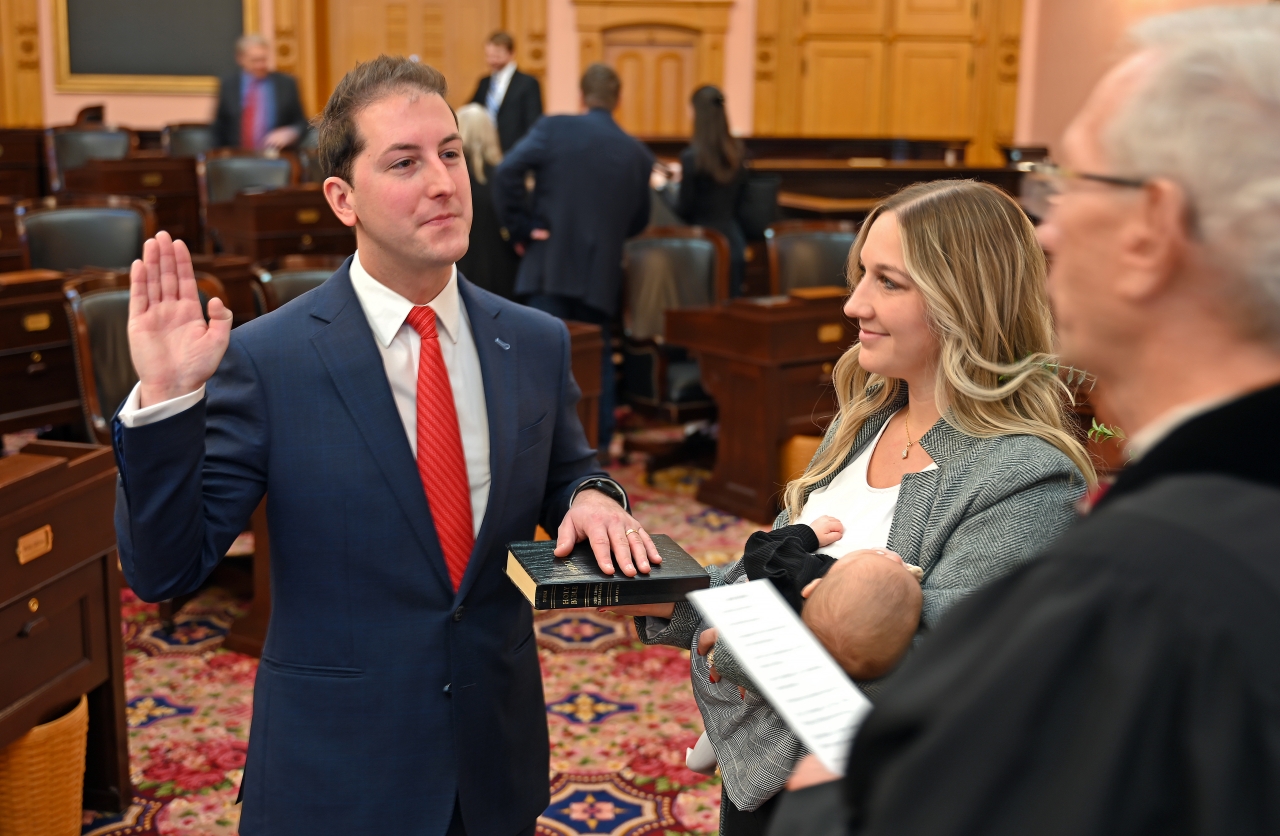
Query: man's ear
(342, 199)
(1156, 243)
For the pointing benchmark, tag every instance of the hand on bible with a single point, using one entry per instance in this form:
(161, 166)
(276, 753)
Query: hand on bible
(174, 350)
(613, 533)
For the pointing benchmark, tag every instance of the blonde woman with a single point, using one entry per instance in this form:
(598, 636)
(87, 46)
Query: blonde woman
(490, 261)
(951, 446)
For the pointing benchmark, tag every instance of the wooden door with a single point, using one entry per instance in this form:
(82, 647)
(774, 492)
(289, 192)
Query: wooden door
(843, 17)
(935, 17)
(930, 90)
(841, 88)
(20, 90)
(449, 36)
(658, 68)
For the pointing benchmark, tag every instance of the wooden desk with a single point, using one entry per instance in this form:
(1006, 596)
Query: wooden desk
(272, 223)
(586, 346)
(826, 148)
(167, 183)
(60, 605)
(874, 178)
(768, 366)
(22, 163)
(37, 358)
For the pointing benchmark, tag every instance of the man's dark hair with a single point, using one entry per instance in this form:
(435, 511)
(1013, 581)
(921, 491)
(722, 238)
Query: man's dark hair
(600, 87)
(338, 141)
(504, 40)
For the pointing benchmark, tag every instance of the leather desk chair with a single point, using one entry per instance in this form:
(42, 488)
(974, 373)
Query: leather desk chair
(290, 277)
(667, 268)
(68, 148)
(187, 140)
(224, 175)
(808, 254)
(71, 233)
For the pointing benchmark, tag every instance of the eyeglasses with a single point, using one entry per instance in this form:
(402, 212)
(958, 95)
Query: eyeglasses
(1044, 182)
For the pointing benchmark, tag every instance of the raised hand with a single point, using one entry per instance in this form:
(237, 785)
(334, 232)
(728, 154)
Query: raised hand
(174, 351)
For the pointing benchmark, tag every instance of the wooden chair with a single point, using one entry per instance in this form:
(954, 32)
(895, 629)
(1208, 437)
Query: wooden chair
(808, 254)
(187, 139)
(67, 148)
(68, 233)
(668, 268)
(287, 278)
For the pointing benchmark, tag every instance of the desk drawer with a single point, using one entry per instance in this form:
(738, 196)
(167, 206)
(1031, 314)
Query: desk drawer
(53, 641)
(31, 379)
(275, 246)
(26, 322)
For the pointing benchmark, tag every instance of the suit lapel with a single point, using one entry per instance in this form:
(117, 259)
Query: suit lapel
(350, 354)
(497, 349)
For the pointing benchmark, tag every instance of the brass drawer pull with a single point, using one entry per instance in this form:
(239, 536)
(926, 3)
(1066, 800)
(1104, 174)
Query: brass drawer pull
(152, 179)
(32, 627)
(830, 333)
(33, 604)
(39, 321)
(32, 545)
(308, 216)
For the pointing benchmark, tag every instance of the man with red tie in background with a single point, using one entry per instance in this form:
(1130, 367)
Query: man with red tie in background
(405, 425)
(258, 110)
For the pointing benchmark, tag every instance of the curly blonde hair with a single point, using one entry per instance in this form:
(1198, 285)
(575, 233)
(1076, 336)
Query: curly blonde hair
(973, 254)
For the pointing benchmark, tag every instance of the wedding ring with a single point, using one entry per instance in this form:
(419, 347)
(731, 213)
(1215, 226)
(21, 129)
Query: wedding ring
(631, 531)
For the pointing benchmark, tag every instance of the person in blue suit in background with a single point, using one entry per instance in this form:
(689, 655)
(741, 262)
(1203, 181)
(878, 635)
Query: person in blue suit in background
(404, 425)
(591, 193)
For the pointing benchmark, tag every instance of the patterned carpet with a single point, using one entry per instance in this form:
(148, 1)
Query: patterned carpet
(621, 714)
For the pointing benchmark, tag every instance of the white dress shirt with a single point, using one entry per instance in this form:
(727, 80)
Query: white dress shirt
(498, 84)
(865, 512)
(399, 345)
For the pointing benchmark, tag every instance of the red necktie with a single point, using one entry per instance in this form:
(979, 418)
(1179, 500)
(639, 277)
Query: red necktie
(441, 462)
(249, 119)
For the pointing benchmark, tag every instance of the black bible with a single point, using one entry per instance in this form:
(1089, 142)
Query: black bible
(552, 583)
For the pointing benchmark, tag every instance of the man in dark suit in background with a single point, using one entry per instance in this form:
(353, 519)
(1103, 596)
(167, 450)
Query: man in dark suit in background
(257, 109)
(513, 98)
(592, 194)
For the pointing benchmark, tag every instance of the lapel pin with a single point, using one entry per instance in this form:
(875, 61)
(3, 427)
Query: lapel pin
(499, 341)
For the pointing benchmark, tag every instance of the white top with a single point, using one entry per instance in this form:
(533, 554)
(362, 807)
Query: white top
(399, 345)
(865, 512)
(498, 84)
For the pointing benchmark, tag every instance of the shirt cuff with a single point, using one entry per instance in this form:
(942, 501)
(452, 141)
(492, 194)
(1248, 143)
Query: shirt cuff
(132, 415)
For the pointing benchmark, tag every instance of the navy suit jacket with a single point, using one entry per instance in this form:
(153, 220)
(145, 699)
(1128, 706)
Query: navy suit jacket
(521, 106)
(592, 194)
(382, 694)
(226, 120)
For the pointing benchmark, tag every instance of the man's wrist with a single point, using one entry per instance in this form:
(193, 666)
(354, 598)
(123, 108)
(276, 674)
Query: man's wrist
(606, 486)
(150, 395)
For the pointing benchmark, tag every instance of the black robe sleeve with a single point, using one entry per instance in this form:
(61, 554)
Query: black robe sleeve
(1099, 690)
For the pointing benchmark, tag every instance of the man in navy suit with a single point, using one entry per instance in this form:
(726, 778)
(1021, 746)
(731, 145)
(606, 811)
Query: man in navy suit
(591, 194)
(405, 425)
(513, 98)
(257, 109)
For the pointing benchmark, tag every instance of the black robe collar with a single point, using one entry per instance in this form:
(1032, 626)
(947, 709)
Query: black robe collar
(1236, 439)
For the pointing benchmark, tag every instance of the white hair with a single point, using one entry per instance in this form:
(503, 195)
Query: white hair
(479, 138)
(1208, 118)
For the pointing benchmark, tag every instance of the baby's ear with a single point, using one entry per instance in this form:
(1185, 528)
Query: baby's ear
(812, 585)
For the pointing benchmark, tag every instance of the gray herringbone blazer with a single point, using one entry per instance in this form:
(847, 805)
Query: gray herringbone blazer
(991, 505)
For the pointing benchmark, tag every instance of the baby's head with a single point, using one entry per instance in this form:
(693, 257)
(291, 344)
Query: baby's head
(866, 611)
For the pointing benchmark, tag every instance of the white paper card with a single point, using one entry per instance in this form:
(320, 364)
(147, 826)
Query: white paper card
(790, 667)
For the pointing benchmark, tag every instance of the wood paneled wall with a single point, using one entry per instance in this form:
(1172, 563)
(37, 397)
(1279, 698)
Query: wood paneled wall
(917, 69)
(20, 91)
(319, 40)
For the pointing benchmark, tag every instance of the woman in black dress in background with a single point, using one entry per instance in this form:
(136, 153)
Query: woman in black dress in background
(713, 179)
(490, 261)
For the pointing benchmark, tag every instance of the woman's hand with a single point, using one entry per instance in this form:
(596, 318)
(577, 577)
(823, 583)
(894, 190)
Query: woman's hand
(706, 644)
(810, 772)
(640, 610)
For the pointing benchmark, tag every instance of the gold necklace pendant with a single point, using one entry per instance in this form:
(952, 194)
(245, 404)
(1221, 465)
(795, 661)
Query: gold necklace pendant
(906, 425)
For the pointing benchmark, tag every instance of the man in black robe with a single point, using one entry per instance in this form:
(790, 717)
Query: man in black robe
(1128, 681)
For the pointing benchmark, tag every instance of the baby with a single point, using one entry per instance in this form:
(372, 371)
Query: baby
(865, 611)
(865, 614)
